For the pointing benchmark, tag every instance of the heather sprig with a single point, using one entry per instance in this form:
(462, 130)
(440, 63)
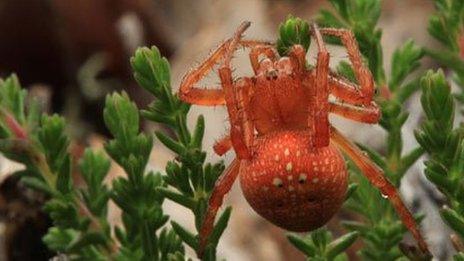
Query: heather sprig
(189, 178)
(446, 25)
(443, 142)
(381, 230)
(81, 228)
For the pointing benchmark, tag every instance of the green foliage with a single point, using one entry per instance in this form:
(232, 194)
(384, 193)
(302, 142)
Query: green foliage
(81, 228)
(446, 25)
(94, 167)
(42, 145)
(80, 224)
(444, 143)
(360, 16)
(319, 246)
(382, 230)
(291, 32)
(189, 177)
(136, 194)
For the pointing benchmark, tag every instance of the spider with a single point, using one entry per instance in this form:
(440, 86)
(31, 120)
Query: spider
(288, 155)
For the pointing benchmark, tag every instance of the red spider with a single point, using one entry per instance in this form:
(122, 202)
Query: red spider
(291, 170)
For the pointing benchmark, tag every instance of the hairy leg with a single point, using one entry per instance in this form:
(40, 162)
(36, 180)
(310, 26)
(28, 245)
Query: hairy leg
(298, 56)
(375, 175)
(243, 91)
(241, 136)
(202, 96)
(367, 114)
(363, 75)
(212, 95)
(319, 120)
(256, 51)
(222, 146)
(221, 188)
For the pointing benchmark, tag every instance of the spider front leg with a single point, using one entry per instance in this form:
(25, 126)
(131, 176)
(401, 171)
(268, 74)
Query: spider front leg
(366, 114)
(237, 97)
(376, 177)
(208, 96)
(365, 92)
(190, 93)
(355, 101)
(319, 108)
(240, 138)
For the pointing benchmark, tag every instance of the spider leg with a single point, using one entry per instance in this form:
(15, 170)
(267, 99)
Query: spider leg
(190, 93)
(375, 175)
(237, 97)
(346, 90)
(221, 188)
(319, 109)
(367, 114)
(298, 56)
(365, 92)
(223, 145)
(256, 51)
(239, 115)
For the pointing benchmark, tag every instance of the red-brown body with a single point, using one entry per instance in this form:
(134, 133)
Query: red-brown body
(272, 107)
(290, 184)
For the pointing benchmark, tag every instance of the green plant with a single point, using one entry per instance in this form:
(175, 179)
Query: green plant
(381, 230)
(319, 246)
(190, 179)
(438, 135)
(81, 229)
(447, 26)
(445, 145)
(80, 224)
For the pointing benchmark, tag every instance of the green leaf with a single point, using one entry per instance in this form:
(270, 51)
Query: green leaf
(180, 199)
(409, 159)
(54, 142)
(94, 167)
(220, 227)
(346, 70)
(87, 239)
(185, 235)
(151, 71)
(197, 137)
(339, 245)
(64, 182)
(446, 24)
(404, 61)
(59, 239)
(292, 32)
(170, 143)
(37, 184)
(12, 97)
(351, 189)
(301, 244)
(453, 219)
(459, 257)
(121, 118)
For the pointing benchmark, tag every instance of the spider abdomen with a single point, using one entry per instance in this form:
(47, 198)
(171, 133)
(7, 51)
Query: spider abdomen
(290, 184)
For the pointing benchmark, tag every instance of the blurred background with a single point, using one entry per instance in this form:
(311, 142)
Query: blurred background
(71, 53)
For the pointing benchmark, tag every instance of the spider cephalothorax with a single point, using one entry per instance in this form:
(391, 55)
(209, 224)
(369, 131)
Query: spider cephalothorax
(288, 159)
